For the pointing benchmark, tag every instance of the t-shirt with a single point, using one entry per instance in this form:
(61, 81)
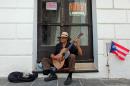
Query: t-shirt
(73, 49)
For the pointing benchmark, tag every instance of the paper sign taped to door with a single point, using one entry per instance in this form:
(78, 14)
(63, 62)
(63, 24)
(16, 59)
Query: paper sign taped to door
(51, 5)
(77, 9)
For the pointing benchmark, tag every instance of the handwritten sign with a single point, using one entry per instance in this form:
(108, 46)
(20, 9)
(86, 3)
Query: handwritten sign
(77, 9)
(51, 5)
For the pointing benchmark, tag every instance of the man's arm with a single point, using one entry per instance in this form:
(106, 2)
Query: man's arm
(77, 44)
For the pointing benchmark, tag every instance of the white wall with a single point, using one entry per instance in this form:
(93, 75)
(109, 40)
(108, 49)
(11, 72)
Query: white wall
(113, 23)
(16, 33)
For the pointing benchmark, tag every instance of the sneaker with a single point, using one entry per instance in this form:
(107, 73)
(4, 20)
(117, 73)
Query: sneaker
(50, 78)
(68, 81)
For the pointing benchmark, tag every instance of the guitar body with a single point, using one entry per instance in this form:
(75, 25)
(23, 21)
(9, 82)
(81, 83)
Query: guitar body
(60, 64)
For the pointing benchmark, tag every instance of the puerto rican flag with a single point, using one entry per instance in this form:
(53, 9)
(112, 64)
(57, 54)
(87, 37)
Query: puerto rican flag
(119, 50)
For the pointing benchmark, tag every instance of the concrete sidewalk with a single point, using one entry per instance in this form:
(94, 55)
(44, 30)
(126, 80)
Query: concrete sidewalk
(76, 82)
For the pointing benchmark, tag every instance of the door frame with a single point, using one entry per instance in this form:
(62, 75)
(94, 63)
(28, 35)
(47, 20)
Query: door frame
(94, 28)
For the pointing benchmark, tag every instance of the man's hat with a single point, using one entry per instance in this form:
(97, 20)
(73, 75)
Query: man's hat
(64, 34)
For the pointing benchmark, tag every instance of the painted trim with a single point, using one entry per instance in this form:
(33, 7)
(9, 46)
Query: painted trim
(95, 38)
(34, 45)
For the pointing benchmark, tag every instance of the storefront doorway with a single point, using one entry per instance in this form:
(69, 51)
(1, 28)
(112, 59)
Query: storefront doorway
(73, 16)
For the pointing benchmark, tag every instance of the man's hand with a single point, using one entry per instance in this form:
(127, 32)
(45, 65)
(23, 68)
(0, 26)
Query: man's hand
(77, 42)
(57, 57)
(52, 55)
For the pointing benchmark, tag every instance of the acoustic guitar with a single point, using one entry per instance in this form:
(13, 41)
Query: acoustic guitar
(64, 54)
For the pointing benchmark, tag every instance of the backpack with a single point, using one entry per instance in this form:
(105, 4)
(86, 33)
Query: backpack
(17, 77)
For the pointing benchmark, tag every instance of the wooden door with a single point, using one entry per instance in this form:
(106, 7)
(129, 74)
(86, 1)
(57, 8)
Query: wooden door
(55, 16)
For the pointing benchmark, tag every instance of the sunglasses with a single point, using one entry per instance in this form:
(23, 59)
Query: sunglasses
(63, 37)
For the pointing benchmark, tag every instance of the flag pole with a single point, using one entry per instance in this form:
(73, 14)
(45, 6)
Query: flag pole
(108, 65)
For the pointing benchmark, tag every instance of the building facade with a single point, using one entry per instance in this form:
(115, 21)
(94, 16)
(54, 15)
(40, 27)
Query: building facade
(19, 27)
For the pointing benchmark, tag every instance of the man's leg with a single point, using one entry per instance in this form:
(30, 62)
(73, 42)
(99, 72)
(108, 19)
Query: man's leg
(46, 65)
(52, 75)
(46, 62)
(72, 68)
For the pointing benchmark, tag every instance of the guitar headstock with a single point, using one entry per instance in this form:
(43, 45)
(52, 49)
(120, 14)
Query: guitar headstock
(80, 34)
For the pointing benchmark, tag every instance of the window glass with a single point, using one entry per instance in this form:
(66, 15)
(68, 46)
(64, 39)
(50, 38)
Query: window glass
(51, 12)
(50, 34)
(71, 12)
(78, 11)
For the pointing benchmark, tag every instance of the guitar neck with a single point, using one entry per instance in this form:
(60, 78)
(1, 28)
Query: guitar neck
(70, 45)
(72, 42)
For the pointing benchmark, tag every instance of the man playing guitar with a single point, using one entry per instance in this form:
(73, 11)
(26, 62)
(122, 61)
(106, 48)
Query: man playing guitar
(64, 42)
